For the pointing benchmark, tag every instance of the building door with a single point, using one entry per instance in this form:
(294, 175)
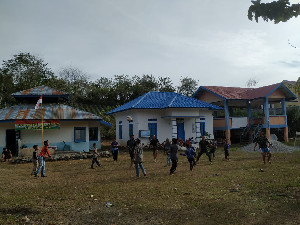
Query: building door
(180, 130)
(11, 141)
(153, 129)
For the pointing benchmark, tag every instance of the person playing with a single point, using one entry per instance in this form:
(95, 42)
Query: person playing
(213, 147)
(204, 144)
(154, 145)
(226, 149)
(115, 150)
(190, 153)
(34, 159)
(131, 146)
(173, 155)
(264, 145)
(167, 146)
(41, 158)
(6, 155)
(138, 158)
(95, 156)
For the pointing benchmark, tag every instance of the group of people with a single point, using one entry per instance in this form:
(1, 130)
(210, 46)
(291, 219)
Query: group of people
(135, 150)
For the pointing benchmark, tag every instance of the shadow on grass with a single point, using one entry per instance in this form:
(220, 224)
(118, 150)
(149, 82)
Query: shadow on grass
(19, 210)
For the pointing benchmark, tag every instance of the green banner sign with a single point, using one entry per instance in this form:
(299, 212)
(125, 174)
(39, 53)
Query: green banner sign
(36, 124)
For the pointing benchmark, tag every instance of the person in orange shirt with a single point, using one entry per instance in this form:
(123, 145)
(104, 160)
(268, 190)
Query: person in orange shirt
(43, 154)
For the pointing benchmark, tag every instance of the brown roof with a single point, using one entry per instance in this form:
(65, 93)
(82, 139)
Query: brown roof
(237, 93)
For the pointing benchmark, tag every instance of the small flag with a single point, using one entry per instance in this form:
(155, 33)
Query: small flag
(39, 102)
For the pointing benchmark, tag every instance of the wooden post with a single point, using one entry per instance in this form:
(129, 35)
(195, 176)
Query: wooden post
(227, 136)
(286, 134)
(227, 122)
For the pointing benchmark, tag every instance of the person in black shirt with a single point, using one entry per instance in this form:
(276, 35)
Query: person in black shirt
(264, 145)
(6, 155)
(131, 146)
(203, 145)
(154, 145)
(34, 159)
(173, 155)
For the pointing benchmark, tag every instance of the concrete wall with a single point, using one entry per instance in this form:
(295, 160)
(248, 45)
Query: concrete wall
(164, 126)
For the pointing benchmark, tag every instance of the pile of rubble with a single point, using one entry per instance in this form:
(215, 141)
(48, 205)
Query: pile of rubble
(64, 155)
(276, 147)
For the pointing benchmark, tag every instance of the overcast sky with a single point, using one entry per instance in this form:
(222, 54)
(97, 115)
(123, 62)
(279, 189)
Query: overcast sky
(209, 40)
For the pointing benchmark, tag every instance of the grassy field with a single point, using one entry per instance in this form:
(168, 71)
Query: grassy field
(234, 192)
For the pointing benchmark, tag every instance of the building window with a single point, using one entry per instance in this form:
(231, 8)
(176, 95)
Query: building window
(93, 133)
(130, 130)
(79, 134)
(153, 129)
(120, 130)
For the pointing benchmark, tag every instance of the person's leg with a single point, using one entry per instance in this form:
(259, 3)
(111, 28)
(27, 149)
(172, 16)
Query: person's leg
(199, 155)
(131, 158)
(169, 159)
(269, 157)
(173, 168)
(264, 157)
(117, 153)
(143, 169)
(43, 167)
(98, 163)
(191, 164)
(92, 165)
(208, 155)
(137, 169)
(34, 162)
(40, 165)
(226, 154)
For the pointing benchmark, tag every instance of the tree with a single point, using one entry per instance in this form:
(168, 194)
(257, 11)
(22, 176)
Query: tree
(277, 11)
(165, 84)
(22, 72)
(77, 83)
(187, 86)
(252, 82)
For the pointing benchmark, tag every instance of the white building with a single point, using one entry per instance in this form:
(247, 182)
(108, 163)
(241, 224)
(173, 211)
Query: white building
(164, 114)
(64, 126)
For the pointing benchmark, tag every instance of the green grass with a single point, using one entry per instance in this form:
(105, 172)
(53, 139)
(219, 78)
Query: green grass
(233, 192)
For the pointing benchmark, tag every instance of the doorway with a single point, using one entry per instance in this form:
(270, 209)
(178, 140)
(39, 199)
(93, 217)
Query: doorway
(11, 141)
(180, 130)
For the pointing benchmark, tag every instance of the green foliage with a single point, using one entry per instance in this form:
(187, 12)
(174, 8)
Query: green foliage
(187, 86)
(22, 72)
(293, 120)
(277, 11)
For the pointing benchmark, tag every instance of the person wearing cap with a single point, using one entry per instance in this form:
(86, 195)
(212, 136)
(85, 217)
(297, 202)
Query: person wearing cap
(41, 158)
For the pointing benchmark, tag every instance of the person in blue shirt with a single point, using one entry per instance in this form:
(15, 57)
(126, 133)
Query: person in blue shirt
(190, 153)
(115, 150)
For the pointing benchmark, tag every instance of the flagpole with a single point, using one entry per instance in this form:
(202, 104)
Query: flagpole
(42, 122)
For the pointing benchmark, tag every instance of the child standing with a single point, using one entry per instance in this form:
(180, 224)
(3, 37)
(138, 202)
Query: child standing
(138, 158)
(95, 156)
(115, 150)
(34, 159)
(190, 153)
(226, 150)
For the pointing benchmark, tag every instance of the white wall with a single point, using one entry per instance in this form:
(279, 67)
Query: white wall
(55, 136)
(164, 127)
(239, 122)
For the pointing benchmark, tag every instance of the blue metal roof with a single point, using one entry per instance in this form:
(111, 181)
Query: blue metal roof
(163, 100)
(49, 111)
(40, 90)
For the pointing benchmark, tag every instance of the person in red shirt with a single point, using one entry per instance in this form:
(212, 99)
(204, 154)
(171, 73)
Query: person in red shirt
(43, 154)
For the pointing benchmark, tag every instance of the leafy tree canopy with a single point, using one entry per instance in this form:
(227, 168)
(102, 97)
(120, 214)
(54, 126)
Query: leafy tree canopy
(277, 11)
